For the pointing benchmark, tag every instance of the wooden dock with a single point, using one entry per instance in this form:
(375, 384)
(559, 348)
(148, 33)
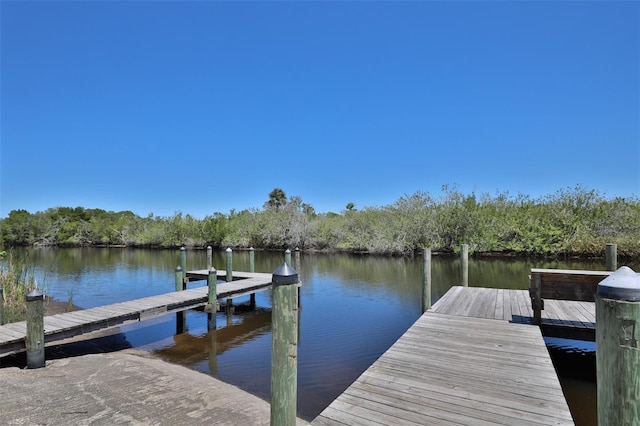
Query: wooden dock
(62, 326)
(560, 318)
(474, 358)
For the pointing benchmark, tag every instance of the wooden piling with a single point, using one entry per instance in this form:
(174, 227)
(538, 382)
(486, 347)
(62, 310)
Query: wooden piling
(284, 346)
(212, 295)
(209, 257)
(35, 329)
(287, 256)
(426, 279)
(180, 286)
(229, 309)
(229, 265)
(179, 281)
(611, 257)
(183, 262)
(297, 259)
(618, 352)
(252, 260)
(464, 264)
(252, 268)
(1, 306)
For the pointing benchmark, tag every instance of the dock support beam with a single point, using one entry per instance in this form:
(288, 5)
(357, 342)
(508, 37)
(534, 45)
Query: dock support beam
(426, 279)
(618, 352)
(35, 329)
(464, 264)
(284, 346)
(611, 257)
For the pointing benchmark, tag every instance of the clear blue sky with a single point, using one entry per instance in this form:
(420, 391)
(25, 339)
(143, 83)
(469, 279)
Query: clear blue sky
(202, 107)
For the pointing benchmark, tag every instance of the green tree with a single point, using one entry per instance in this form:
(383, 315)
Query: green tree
(277, 199)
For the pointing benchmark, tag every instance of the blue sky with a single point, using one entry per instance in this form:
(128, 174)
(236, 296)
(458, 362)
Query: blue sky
(202, 107)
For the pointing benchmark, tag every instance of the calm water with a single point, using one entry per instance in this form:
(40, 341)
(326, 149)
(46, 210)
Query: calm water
(353, 309)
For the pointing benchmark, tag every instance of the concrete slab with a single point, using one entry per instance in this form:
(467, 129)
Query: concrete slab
(125, 387)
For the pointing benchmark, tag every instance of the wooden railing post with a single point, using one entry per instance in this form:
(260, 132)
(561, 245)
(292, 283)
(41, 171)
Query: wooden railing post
(536, 297)
(611, 257)
(287, 256)
(284, 346)
(426, 279)
(35, 329)
(209, 257)
(464, 264)
(618, 349)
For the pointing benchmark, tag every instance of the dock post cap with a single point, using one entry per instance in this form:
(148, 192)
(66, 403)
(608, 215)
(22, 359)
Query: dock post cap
(213, 270)
(178, 268)
(285, 274)
(183, 248)
(35, 294)
(287, 251)
(251, 248)
(623, 284)
(297, 249)
(228, 250)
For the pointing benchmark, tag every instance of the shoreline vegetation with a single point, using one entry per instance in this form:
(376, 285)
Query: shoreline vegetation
(573, 222)
(17, 279)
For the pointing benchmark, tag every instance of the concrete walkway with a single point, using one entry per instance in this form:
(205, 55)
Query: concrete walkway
(127, 387)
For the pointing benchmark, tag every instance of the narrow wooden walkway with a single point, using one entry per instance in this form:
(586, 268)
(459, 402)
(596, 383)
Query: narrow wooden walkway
(70, 324)
(560, 318)
(479, 363)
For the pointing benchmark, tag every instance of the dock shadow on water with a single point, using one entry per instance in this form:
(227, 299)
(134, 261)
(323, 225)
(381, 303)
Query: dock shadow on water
(190, 350)
(107, 341)
(575, 362)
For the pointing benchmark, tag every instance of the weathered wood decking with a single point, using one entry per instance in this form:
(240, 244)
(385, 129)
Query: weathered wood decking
(474, 358)
(66, 325)
(560, 318)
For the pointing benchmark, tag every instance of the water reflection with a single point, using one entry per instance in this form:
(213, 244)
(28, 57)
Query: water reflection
(188, 349)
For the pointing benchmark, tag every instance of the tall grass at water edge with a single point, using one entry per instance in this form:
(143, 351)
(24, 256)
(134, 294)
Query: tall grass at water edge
(17, 279)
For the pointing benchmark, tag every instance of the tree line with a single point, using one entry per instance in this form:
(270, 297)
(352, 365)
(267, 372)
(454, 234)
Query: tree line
(572, 221)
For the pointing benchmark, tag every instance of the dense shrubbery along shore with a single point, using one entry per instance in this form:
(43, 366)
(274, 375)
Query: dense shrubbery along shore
(573, 221)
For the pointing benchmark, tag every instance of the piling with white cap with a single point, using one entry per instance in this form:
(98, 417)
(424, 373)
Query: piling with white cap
(617, 351)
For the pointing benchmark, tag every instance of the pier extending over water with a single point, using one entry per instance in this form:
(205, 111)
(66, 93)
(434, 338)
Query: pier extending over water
(70, 324)
(476, 357)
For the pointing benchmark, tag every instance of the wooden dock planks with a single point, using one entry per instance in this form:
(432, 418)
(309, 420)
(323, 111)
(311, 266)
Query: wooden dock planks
(63, 326)
(450, 369)
(560, 318)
